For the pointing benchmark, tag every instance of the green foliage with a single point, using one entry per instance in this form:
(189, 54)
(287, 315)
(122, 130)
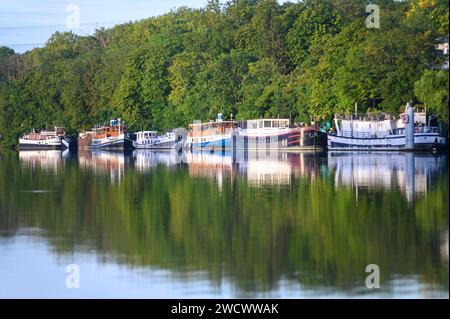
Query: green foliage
(432, 90)
(249, 58)
(317, 19)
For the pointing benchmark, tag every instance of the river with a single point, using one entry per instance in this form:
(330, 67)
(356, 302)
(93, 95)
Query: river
(282, 225)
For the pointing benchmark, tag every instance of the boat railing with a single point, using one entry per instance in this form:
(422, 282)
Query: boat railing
(426, 129)
(378, 134)
(417, 129)
(381, 134)
(364, 117)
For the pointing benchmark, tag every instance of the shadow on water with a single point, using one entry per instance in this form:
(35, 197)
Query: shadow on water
(296, 224)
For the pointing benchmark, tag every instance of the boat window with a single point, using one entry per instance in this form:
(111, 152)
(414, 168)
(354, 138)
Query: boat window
(267, 124)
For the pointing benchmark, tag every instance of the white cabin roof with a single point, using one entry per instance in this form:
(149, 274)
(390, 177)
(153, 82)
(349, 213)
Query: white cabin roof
(267, 123)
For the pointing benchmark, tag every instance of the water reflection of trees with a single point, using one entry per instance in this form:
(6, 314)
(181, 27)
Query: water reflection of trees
(314, 232)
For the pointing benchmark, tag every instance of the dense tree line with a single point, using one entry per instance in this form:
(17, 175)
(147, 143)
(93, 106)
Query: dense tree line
(249, 58)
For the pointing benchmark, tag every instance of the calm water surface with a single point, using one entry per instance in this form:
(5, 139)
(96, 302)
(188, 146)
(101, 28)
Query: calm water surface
(281, 225)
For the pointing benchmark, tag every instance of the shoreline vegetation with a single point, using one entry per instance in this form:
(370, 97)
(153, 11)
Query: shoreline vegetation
(250, 58)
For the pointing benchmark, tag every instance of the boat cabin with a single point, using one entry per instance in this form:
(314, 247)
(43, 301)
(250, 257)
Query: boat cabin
(211, 128)
(265, 124)
(376, 125)
(146, 135)
(364, 128)
(113, 129)
(38, 134)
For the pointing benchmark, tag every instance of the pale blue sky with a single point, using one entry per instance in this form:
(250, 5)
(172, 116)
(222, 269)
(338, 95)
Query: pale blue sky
(25, 24)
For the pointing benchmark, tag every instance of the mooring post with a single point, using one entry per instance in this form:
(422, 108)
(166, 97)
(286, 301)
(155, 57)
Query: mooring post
(409, 126)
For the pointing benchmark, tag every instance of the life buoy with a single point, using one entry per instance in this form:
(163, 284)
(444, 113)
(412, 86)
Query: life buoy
(416, 130)
(405, 118)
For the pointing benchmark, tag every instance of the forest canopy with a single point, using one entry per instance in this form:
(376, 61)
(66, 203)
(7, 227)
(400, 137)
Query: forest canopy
(246, 58)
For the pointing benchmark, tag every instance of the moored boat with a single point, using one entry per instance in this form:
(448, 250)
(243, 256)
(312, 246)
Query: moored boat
(212, 136)
(277, 134)
(384, 132)
(151, 140)
(109, 136)
(311, 137)
(44, 139)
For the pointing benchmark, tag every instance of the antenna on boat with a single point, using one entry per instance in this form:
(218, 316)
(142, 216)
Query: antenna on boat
(356, 109)
(132, 123)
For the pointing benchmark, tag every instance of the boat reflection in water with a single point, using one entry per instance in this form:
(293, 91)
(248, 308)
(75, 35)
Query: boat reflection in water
(258, 168)
(252, 224)
(144, 160)
(49, 160)
(104, 163)
(279, 168)
(407, 172)
(215, 166)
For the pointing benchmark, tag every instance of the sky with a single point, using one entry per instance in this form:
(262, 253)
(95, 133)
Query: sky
(25, 24)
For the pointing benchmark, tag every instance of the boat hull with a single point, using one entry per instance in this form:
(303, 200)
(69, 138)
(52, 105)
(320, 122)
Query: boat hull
(422, 142)
(212, 144)
(157, 146)
(39, 147)
(112, 143)
(50, 144)
(85, 141)
(295, 139)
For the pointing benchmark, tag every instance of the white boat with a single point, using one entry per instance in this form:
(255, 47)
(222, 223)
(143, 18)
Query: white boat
(151, 140)
(43, 139)
(385, 133)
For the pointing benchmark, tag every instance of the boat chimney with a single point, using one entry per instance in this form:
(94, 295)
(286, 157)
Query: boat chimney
(410, 126)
